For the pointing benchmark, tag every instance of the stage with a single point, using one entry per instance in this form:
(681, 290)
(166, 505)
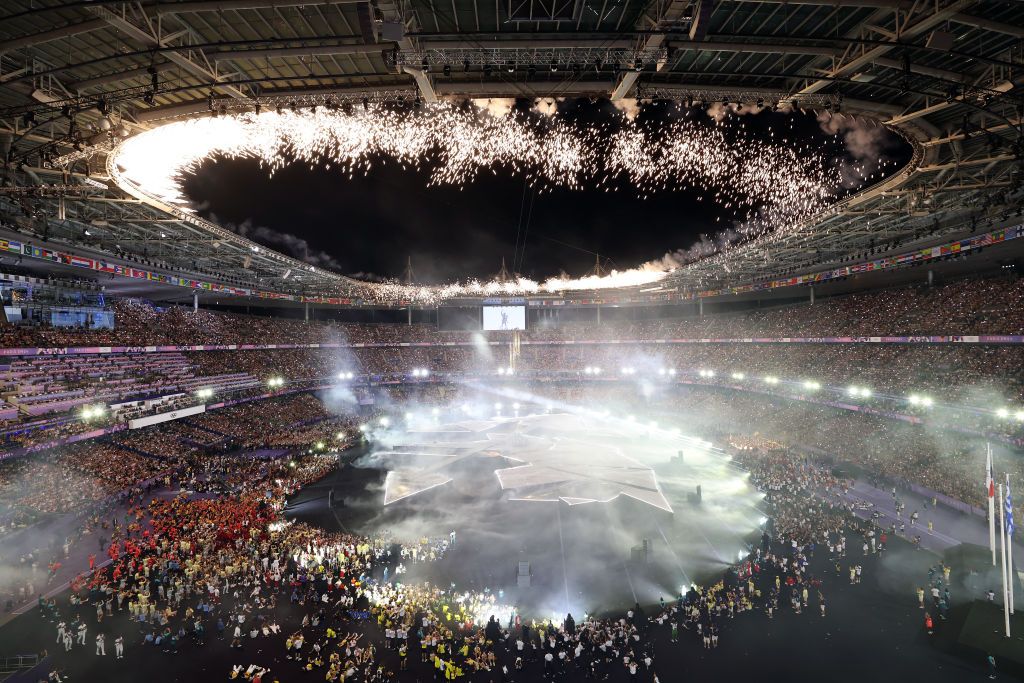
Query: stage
(573, 496)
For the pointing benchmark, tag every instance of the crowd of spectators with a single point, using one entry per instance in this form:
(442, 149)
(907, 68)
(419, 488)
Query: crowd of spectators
(982, 305)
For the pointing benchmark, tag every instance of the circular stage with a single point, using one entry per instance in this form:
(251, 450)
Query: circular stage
(561, 512)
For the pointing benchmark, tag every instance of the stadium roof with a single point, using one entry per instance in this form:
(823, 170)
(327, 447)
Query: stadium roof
(74, 76)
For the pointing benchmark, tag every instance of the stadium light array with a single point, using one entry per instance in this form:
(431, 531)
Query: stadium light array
(497, 406)
(863, 392)
(771, 380)
(1003, 413)
(811, 385)
(275, 382)
(707, 373)
(1019, 416)
(515, 406)
(627, 371)
(923, 401)
(340, 436)
(205, 393)
(435, 411)
(738, 375)
(384, 421)
(345, 375)
(420, 372)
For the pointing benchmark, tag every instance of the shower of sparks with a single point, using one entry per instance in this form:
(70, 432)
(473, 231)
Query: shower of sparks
(768, 186)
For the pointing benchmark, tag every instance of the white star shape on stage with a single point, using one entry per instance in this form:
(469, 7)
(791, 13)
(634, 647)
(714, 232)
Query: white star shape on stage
(561, 457)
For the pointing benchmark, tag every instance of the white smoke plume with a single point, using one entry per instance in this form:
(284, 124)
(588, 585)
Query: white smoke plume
(496, 106)
(547, 106)
(288, 243)
(630, 108)
(864, 141)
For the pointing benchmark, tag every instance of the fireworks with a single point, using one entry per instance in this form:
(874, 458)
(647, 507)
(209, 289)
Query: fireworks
(765, 184)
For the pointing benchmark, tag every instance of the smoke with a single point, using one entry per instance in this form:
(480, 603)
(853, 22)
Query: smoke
(453, 455)
(705, 246)
(547, 106)
(718, 111)
(865, 145)
(496, 106)
(369, 277)
(340, 399)
(630, 107)
(290, 244)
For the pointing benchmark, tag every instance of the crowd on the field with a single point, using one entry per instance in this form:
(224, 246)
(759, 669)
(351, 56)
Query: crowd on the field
(191, 573)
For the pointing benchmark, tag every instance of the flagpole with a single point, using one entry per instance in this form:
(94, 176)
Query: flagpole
(991, 504)
(1002, 543)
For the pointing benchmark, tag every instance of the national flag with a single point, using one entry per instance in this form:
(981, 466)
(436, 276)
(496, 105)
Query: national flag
(989, 479)
(1009, 509)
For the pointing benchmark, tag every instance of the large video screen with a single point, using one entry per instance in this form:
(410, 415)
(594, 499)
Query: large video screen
(504, 317)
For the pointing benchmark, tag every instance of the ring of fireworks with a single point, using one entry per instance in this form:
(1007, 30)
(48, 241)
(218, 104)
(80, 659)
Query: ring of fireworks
(766, 184)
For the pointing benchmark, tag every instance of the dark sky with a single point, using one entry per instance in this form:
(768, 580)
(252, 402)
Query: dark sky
(372, 224)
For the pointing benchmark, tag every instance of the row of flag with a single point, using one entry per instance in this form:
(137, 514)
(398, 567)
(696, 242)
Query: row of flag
(1005, 535)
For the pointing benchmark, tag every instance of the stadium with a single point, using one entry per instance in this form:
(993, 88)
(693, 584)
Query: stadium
(543, 340)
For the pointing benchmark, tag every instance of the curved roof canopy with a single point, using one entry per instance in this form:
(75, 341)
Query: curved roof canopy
(77, 76)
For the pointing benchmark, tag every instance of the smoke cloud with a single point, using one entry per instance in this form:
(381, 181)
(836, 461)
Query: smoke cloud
(496, 106)
(546, 106)
(630, 108)
(865, 143)
(290, 244)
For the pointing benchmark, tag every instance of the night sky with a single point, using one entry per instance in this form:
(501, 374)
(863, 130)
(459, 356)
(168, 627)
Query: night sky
(369, 226)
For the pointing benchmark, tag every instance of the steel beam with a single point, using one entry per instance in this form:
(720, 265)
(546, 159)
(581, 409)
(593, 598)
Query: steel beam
(673, 12)
(146, 38)
(53, 34)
